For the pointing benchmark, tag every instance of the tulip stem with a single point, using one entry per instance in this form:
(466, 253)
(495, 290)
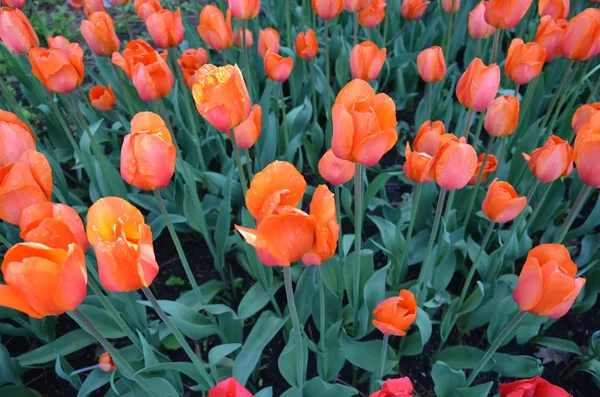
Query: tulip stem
(357, 238)
(429, 94)
(123, 90)
(508, 329)
(538, 205)
(449, 27)
(413, 217)
(327, 77)
(124, 17)
(4, 241)
(178, 247)
(120, 362)
(238, 163)
(178, 335)
(384, 347)
(477, 48)
(248, 164)
(322, 312)
(286, 134)
(249, 78)
(288, 24)
(517, 86)
(594, 90)
(289, 292)
(495, 45)
(482, 249)
(573, 212)
(355, 33)
(340, 242)
(313, 79)
(556, 94)
(467, 127)
(563, 98)
(475, 190)
(523, 112)
(63, 123)
(479, 128)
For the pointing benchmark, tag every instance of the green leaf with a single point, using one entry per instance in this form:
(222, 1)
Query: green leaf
(364, 355)
(476, 391)
(267, 392)
(18, 391)
(255, 299)
(95, 380)
(223, 222)
(473, 301)
(193, 324)
(364, 269)
(65, 345)
(288, 361)
(446, 379)
(9, 368)
(218, 353)
(63, 369)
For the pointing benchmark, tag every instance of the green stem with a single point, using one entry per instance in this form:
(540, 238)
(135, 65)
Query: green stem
(355, 31)
(338, 212)
(288, 23)
(428, 94)
(313, 79)
(248, 164)
(575, 209)
(322, 312)
(473, 269)
(249, 78)
(63, 123)
(4, 241)
(357, 237)
(467, 127)
(449, 26)
(238, 163)
(382, 355)
(477, 48)
(538, 205)
(475, 190)
(495, 45)
(289, 292)
(286, 134)
(124, 17)
(517, 86)
(594, 90)
(559, 111)
(449, 204)
(123, 90)
(413, 217)
(556, 94)
(479, 128)
(327, 77)
(523, 111)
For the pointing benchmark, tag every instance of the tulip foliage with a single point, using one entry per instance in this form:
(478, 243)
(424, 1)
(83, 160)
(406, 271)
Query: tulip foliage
(325, 198)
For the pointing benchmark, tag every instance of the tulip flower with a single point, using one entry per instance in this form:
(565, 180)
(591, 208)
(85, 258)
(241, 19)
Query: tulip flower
(190, 61)
(364, 124)
(394, 315)
(102, 98)
(244, 9)
(15, 138)
(221, 96)
(451, 6)
(551, 161)
(428, 137)
(502, 116)
(582, 36)
(59, 42)
(356, 5)
(92, 6)
(277, 67)
(99, 33)
(373, 15)
(413, 9)
(135, 51)
(431, 64)
(59, 69)
(14, 3)
(335, 171)
(399, 387)
(24, 183)
(550, 35)
(417, 165)
(534, 387)
(322, 208)
(307, 45)
(327, 9)
(145, 8)
(43, 281)
(16, 32)
(229, 387)
(585, 154)
(506, 14)
(454, 164)
(556, 9)
(106, 363)
(248, 132)
(477, 26)
(148, 153)
(547, 285)
(491, 165)
(239, 39)
(122, 243)
(76, 4)
(215, 29)
(165, 28)
(524, 61)
(268, 40)
(53, 225)
(366, 61)
(583, 114)
(502, 203)
(478, 85)
(118, 3)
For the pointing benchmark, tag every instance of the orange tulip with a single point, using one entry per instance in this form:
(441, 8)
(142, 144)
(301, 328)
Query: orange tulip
(356, 5)
(214, 29)
(277, 67)
(524, 61)
(394, 315)
(221, 96)
(248, 132)
(550, 34)
(14, 3)
(477, 26)
(366, 61)
(60, 70)
(373, 15)
(413, 9)
(557, 9)
(364, 124)
(506, 14)
(428, 137)
(327, 9)
(268, 40)
(417, 166)
(15, 138)
(322, 208)
(491, 165)
(92, 6)
(16, 32)
(478, 85)
(165, 28)
(76, 4)
(118, 3)
(59, 42)
(583, 114)
(53, 225)
(106, 363)
(148, 154)
(244, 9)
(239, 39)
(582, 36)
(122, 243)
(190, 61)
(502, 203)
(43, 281)
(307, 45)
(102, 98)
(454, 164)
(547, 285)
(451, 6)
(431, 64)
(99, 32)
(335, 171)
(24, 183)
(551, 161)
(586, 152)
(135, 51)
(229, 387)
(145, 8)
(502, 116)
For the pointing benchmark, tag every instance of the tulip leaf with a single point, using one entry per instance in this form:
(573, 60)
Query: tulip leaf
(474, 300)
(65, 345)
(446, 379)
(475, 391)
(558, 344)
(95, 380)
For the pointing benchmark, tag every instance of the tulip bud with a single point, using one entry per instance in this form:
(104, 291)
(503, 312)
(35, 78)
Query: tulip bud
(502, 116)
(417, 165)
(478, 85)
(372, 15)
(502, 203)
(92, 6)
(556, 9)
(268, 40)
(583, 114)
(165, 28)
(491, 165)
(506, 14)
(431, 64)
(394, 315)
(413, 9)
(428, 137)
(15, 138)
(366, 61)
(76, 4)
(327, 9)
(335, 171)
(524, 61)
(307, 45)
(451, 6)
(16, 32)
(190, 61)
(60, 70)
(14, 3)
(535, 387)
(277, 67)
(247, 133)
(102, 98)
(239, 39)
(454, 164)
(551, 161)
(400, 387)
(145, 8)
(106, 363)
(582, 36)
(99, 33)
(550, 35)
(586, 153)
(244, 9)
(478, 27)
(229, 387)
(356, 5)
(215, 29)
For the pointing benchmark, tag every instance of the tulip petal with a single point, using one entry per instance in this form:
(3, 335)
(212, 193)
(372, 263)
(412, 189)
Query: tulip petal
(554, 252)
(343, 132)
(267, 253)
(557, 286)
(9, 297)
(528, 292)
(388, 329)
(73, 282)
(371, 150)
(562, 309)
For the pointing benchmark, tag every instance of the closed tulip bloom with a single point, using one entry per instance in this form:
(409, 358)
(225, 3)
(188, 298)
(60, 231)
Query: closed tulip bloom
(327, 9)
(61, 71)
(268, 40)
(148, 153)
(53, 225)
(428, 137)
(15, 138)
(92, 6)
(277, 67)
(122, 243)
(582, 115)
(547, 285)
(60, 42)
(478, 86)
(165, 28)
(16, 32)
(364, 124)
(413, 9)
(551, 161)
(247, 133)
(221, 96)
(190, 61)
(582, 36)
(76, 4)
(356, 5)
(417, 165)
(102, 98)
(586, 152)
(366, 61)
(502, 116)
(477, 26)
(307, 45)
(534, 387)
(335, 171)
(454, 164)
(550, 34)
(99, 32)
(524, 61)
(451, 6)
(14, 3)
(244, 9)
(215, 29)
(431, 64)
(322, 208)
(229, 387)
(106, 363)
(145, 8)
(136, 51)
(399, 387)
(394, 315)
(502, 203)
(557, 9)
(24, 183)
(491, 165)
(372, 15)
(506, 14)
(239, 39)
(43, 281)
